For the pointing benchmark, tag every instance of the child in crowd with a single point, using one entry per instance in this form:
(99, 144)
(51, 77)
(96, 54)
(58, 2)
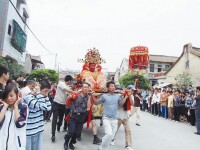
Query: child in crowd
(35, 124)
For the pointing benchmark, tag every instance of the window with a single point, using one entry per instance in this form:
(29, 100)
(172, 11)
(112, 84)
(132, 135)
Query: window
(9, 29)
(159, 67)
(19, 38)
(166, 66)
(151, 67)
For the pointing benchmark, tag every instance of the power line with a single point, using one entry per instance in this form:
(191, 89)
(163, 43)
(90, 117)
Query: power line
(30, 29)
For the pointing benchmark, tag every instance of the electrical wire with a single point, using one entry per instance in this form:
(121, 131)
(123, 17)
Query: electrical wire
(30, 29)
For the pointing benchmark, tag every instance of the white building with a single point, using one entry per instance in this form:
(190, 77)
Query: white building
(117, 74)
(124, 68)
(32, 63)
(63, 73)
(13, 31)
(188, 62)
(158, 65)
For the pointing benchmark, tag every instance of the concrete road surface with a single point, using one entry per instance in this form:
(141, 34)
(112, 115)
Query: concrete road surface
(154, 133)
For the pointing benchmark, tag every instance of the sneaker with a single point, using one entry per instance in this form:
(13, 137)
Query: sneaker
(66, 145)
(79, 139)
(112, 143)
(48, 120)
(58, 128)
(53, 138)
(97, 140)
(64, 130)
(128, 148)
(197, 133)
(71, 146)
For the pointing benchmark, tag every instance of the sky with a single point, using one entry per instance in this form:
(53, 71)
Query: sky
(71, 27)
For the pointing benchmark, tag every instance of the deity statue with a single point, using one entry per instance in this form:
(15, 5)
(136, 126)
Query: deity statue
(91, 72)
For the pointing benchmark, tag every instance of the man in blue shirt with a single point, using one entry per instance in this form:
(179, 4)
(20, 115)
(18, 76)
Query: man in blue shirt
(144, 95)
(111, 102)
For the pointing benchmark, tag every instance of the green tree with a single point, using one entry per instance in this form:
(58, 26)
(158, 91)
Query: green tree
(14, 68)
(128, 79)
(52, 75)
(183, 79)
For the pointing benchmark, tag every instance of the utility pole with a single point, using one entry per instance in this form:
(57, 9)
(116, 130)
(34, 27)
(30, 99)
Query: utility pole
(55, 67)
(58, 68)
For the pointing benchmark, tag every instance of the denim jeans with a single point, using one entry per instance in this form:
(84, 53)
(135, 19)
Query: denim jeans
(164, 112)
(144, 105)
(34, 142)
(197, 114)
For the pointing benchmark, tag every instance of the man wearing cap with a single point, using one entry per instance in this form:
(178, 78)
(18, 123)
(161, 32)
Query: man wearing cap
(197, 110)
(123, 117)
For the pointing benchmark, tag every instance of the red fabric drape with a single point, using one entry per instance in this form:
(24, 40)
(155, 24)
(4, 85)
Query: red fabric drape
(90, 113)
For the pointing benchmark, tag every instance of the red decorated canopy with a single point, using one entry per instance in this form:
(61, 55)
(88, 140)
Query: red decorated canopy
(139, 58)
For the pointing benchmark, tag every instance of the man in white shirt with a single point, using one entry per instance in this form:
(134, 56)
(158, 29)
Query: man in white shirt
(155, 102)
(59, 104)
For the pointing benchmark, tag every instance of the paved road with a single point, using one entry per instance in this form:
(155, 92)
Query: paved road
(154, 134)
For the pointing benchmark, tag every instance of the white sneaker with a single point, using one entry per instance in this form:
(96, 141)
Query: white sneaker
(128, 148)
(112, 143)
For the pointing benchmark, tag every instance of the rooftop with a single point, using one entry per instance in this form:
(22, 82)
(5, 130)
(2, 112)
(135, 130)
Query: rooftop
(162, 58)
(195, 51)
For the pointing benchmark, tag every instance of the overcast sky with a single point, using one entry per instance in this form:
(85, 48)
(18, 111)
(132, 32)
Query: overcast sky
(70, 27)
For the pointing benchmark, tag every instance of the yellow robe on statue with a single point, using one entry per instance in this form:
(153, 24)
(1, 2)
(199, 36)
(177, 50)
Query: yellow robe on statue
(97, 80)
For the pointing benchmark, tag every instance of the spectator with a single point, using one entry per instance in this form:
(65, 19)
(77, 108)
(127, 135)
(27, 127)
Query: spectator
(183, 110)
(191, 90)
(197, 110)
(177, 106)
(144, 96)
(35, 124)
(29, 89)
(12, 120)
(171, 106)
(4, 76)
(163, 102)
(155, 102)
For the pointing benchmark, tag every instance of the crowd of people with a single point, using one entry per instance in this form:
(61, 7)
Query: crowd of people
(25, 106)
(179, 105)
